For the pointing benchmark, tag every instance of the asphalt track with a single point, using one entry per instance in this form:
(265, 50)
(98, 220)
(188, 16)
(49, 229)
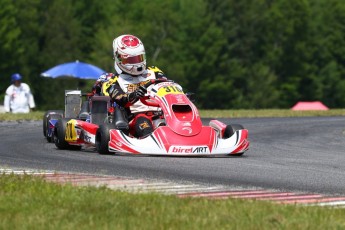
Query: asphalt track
(305, 154)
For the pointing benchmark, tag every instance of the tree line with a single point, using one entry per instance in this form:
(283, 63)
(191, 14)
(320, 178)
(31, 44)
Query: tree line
(248, 54)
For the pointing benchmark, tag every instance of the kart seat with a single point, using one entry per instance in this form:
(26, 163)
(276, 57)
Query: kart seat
(84, 111)
(99, 109)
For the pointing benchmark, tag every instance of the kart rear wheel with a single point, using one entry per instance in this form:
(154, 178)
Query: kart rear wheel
(46, 120)
(59, 136)
(103, 138)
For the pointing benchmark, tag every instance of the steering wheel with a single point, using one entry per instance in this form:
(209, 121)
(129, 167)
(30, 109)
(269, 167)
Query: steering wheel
(145, 100)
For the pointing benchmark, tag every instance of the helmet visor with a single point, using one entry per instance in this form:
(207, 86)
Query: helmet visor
(132, 59)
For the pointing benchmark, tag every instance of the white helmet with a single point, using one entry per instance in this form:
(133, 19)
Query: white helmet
(129, 54)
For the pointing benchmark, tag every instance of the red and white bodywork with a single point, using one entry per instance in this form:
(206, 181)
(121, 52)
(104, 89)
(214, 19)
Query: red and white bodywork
(183, 133)
(80, 132)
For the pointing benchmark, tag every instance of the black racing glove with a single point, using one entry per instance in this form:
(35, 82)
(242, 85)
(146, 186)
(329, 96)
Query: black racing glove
(161, 75)
(97, 89)
(138, 93)
(141, 91)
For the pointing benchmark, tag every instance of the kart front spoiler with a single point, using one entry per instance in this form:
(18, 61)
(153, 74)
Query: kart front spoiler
(163, 141)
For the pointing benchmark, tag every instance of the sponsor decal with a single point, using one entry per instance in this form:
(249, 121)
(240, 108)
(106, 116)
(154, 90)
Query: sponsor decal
(180, 99)
(130, 41)
(188, 129)
(188, 149)
(87, 138)
(134, 86)
(131, 87)
(144, 125)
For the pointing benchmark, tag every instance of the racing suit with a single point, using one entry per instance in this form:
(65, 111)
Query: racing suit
(122, 89)
(97, 88)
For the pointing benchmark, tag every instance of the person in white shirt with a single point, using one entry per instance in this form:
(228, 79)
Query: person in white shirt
(18, 98)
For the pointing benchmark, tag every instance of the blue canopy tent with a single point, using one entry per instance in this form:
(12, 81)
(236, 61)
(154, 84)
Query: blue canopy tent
(75, 69)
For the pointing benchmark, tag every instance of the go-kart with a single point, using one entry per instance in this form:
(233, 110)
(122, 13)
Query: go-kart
(74, 108)
(178, 129)
(91, 110)
(75, 133)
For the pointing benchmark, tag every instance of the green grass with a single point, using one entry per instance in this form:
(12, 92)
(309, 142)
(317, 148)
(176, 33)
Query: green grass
(28, 202)
(37, 115)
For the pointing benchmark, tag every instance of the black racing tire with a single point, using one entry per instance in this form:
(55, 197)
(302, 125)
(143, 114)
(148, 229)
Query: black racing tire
(45, 119)
(50, 139)
(55, 116)
(45, 123)
(237, 154)
(231, 129)
(103, 138)
(59, 136)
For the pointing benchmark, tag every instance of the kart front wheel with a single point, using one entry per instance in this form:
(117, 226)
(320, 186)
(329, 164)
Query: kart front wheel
(231, 129)
(103, 138)
(59, 136)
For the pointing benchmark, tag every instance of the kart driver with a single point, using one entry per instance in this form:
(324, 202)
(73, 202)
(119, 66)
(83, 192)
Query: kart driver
(97, 88)
(128, 87)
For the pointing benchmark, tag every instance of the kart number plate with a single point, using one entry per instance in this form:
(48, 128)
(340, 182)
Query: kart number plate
(171, 89)
(71, 134)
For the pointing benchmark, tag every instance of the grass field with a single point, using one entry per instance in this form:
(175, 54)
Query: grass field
(28, 202)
